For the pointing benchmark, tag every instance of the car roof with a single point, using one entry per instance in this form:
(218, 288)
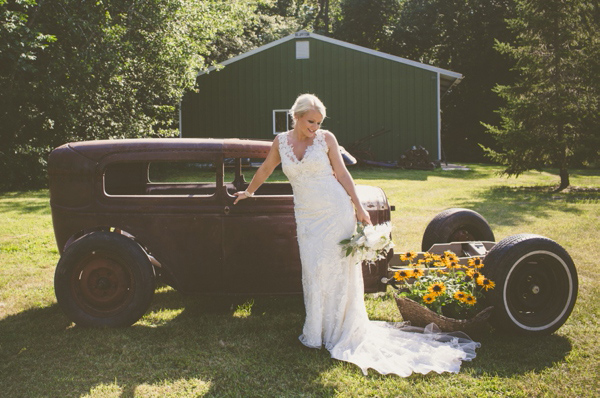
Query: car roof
(229, 147)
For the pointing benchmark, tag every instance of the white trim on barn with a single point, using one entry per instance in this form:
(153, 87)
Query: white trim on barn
(287, 123)
(439, 117)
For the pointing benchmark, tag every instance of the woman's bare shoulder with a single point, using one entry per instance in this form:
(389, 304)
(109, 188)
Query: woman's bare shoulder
(329, 136)
(278, 138)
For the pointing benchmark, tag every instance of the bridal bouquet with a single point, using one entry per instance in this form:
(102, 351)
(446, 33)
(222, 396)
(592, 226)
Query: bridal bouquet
(442, 284)
(370, 242)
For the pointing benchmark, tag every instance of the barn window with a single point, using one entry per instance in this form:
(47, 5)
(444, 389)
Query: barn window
(282, 121)
(302, 50)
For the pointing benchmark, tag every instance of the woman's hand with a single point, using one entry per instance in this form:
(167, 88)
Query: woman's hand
(363, 216)
(240, 196)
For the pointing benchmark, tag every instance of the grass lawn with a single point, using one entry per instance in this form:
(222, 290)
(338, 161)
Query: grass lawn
(240, 347)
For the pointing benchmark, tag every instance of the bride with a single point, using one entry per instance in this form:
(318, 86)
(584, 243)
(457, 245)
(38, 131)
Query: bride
(327, 208)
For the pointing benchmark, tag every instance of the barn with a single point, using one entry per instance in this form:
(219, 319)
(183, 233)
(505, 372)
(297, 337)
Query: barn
(366, 93)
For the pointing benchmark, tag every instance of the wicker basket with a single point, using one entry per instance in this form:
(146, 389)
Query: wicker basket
(419, 315)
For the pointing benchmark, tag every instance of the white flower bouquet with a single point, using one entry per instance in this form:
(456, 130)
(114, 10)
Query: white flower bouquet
(370, 242)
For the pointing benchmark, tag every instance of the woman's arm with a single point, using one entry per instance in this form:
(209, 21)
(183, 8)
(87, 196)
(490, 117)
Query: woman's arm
(263, 172)
(344, 177)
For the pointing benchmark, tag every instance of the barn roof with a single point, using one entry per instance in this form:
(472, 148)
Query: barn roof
(447, 78)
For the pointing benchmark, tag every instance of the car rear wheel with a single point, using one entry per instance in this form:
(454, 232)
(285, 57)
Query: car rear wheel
(456, 225)
(104, 279)
(536, 284)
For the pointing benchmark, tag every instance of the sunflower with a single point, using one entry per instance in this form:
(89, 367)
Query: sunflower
(408, 256)
(485, 283)
(402, 275)
(473, 273)
(470, 299)
(450, 255)
(460, 296)
(417, 273)
(453, 264)
(429, 298)
(476, 262)
(437, 288)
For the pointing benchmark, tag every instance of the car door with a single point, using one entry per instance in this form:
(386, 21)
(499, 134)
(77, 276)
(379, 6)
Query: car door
(260, 247)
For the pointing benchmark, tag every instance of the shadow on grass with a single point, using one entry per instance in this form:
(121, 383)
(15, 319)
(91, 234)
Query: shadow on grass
(184, 343)
(375, 174)
(198, 345)
(508, 355)
(505, 205)
(25, 202)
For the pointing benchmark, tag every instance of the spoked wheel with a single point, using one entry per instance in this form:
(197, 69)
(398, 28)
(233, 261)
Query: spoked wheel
(456, 225)
(104, 279)
(536, 284)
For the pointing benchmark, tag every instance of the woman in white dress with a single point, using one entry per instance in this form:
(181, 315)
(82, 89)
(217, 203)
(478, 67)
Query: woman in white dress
(327, 208)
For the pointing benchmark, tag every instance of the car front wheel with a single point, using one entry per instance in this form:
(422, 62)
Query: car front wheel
(104, 279)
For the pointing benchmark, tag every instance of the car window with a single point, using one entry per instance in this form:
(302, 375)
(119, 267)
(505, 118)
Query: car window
(170, 178)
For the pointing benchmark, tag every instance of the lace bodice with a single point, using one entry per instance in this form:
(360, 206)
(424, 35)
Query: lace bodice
(314, 163)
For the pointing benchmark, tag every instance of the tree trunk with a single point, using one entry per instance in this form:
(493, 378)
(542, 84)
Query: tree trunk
(564, 179)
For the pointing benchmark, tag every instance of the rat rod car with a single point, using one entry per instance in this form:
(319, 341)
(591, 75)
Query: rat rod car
(119, 224)
(124, 216)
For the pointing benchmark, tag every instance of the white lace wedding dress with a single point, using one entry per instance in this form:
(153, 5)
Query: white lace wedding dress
(333, 285)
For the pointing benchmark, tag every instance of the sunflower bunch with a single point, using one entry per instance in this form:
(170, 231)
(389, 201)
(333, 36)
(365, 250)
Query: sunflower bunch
(443, 283)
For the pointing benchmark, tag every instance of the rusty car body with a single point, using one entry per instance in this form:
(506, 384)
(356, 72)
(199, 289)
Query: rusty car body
(109, 212)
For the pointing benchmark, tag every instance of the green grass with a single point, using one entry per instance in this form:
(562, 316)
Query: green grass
(198, 346)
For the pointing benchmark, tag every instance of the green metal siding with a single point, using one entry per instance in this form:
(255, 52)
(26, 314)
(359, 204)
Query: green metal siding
(363, 93)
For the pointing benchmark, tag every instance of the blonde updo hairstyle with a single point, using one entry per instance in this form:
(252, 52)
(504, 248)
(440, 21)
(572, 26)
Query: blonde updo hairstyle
(305, 103)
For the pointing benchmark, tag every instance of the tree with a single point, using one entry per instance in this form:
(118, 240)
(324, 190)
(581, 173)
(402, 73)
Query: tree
(270, 21)
(551, 116)
(367, 23)
(459, 35)
(74, 70)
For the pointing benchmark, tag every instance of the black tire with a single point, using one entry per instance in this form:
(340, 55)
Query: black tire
(536, 284)
(104, 279)
(456, 225)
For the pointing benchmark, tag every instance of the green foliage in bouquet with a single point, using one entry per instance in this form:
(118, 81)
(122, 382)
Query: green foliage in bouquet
(370, 242)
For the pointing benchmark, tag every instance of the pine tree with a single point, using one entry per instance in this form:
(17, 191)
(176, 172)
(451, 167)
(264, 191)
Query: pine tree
(551, 116)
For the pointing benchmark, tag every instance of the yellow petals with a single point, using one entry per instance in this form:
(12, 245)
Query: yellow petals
(485, 283)
(402, 275)
(429, 298)
(437, 288)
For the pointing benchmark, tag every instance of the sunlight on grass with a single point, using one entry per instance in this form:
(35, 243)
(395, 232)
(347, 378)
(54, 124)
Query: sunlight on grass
(160, 317)
(244, 310)
(179, 388)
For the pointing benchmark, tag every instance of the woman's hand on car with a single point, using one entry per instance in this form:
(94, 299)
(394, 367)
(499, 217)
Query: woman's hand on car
(240, 195)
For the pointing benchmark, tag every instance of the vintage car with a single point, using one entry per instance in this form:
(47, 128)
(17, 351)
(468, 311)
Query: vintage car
(129, 212)
(120, 224)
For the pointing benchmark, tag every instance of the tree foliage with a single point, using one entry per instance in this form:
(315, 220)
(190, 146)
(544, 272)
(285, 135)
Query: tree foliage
(270, 21)
(551, 115)
(74, 69)
(367, 23)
